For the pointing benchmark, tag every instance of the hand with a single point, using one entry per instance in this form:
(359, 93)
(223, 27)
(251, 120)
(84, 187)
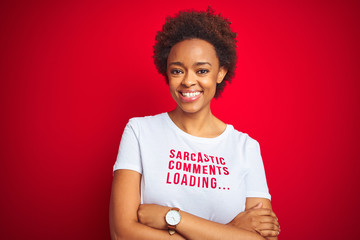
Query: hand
(257, 219)
(153, 215)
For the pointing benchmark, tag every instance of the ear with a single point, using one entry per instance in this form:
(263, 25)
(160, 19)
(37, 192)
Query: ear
(221, 74)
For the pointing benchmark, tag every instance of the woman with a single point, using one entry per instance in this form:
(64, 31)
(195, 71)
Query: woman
(186, 174)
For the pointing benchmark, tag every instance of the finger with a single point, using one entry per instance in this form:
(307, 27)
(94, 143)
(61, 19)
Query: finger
(268, 226)
(263, 212)
(268, 219)
(274, 215)
(269, 233)
(257, 206)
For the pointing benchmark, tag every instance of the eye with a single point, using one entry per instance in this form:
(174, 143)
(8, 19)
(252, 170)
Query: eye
(176, 71)
(202, 71)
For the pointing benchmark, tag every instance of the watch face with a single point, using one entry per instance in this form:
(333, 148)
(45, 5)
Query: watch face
(173, 217)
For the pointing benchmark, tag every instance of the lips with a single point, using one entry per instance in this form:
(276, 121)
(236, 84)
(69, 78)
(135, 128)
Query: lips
(190, 96)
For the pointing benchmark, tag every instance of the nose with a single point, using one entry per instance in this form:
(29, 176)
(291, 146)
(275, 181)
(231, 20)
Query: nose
(188, 80)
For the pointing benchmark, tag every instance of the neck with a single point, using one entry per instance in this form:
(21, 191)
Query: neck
(200, 124)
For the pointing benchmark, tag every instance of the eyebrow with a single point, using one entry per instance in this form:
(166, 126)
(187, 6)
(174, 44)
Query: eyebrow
(202, 63)
(195, 64)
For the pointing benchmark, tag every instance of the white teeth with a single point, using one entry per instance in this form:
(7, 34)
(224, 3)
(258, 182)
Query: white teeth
(190, 94)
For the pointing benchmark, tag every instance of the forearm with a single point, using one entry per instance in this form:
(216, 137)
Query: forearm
(192, 227)
(195, 228)
(138, 231)
(124, 204)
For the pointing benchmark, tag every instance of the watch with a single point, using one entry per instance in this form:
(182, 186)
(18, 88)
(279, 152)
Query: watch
(172, 219)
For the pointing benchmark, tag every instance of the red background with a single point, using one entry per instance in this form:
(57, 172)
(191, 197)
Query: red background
(72, 74)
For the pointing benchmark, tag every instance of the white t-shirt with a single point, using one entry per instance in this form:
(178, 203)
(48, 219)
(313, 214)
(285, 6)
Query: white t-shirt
(208, 177)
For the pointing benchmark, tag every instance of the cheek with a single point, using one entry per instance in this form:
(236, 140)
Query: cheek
(210, 84)
(211, 88)
(172, 89)
(173, 83)
(171, 86)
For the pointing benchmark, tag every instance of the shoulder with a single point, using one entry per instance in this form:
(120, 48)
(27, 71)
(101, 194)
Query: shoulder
(147, 122)
(147, 119)
(242, 137)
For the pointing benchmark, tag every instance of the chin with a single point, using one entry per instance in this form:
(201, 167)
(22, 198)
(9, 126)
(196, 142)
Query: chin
(190, 110)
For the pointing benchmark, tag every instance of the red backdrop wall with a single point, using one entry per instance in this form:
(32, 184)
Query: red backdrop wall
(73, 72)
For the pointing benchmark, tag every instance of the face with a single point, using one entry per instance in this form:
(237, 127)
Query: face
(193, 71)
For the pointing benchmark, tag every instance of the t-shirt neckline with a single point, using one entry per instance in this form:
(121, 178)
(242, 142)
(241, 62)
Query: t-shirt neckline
(189, 136)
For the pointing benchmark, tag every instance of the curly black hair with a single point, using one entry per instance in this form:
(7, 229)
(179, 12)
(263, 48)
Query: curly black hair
(205, 25)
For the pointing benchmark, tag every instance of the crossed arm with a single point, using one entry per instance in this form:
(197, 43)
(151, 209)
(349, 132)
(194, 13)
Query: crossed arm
(131, 221)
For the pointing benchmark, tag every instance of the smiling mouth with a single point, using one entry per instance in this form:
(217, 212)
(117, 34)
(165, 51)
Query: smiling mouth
(190, 94)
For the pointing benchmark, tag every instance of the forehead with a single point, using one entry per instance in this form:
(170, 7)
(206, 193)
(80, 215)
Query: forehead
(193, 50)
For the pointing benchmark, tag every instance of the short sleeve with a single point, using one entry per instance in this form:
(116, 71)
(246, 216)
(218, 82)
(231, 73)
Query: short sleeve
(256, 185)
(129, 156)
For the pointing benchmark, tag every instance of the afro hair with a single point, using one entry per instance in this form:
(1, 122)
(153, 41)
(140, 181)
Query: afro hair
(205, 25)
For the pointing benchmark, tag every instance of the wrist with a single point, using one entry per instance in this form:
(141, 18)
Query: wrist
(152, 215)
(163, 217)
(172, 219)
